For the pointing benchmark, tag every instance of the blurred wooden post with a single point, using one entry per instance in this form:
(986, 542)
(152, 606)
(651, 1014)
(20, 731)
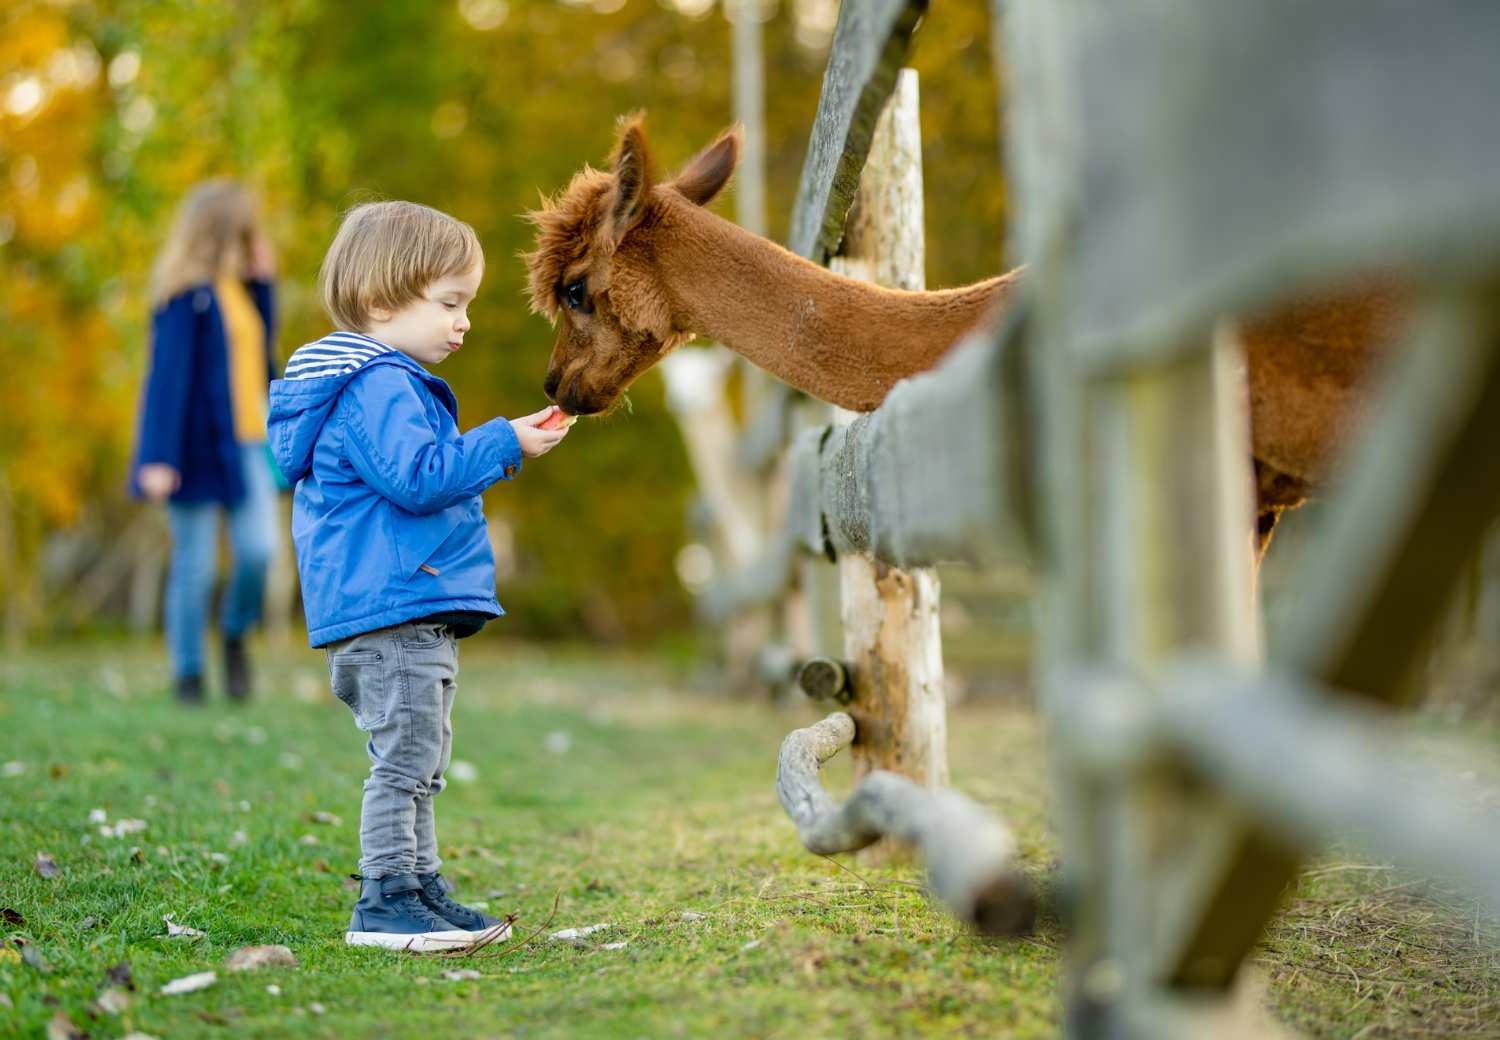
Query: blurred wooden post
(892, 640)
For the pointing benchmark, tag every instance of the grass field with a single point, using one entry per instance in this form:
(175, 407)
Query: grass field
(611, 785)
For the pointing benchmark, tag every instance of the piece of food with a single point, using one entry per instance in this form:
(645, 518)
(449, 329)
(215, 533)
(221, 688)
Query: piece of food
(558, 420)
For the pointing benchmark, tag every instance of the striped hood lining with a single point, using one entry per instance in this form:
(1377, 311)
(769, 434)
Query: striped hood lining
(336, 354)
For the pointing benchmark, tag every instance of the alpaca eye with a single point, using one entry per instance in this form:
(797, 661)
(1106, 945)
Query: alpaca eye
(575, 293)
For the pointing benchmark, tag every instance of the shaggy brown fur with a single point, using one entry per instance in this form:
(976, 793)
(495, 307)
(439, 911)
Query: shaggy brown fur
(649, 267)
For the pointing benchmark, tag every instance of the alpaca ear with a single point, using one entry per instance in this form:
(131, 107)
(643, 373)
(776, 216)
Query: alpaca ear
(708, 172)
(632, 187)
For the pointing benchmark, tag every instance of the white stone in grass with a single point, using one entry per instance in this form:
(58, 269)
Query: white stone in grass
(179, 931)
(692, 915)
(615, 946)
(462, 772)
(14, 768)
(189, 983)
(568, 934)
(559, 742)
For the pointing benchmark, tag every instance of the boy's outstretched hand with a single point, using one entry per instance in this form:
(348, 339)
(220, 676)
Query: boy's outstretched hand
(536, 440)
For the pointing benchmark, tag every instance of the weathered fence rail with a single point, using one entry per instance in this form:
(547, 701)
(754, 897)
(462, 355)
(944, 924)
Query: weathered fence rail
(1104, 432)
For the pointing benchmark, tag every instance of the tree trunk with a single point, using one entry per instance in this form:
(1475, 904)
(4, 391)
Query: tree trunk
(892, 640)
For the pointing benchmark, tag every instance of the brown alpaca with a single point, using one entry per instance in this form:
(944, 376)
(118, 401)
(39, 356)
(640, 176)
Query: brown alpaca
(630, 268)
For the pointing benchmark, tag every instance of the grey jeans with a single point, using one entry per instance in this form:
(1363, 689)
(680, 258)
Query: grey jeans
(399, 682)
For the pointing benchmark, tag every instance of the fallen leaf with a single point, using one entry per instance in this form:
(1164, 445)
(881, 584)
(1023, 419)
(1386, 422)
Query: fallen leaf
(97, 816)
(180, 931)
(121, 975)
(61, 1027)
(57, 770)
(10, 916)
(137, 1036)
(316, 1008)
(113, 1001)
(34, 959)
(251, 958)
(120, 828)
(462, 975)
(46, 866)
(9, 955)
(13, 768)
(274, 990)
(325, 817)
(692, 915)
(189, 983)
(308, 839)
(615, 946)
(752, 944)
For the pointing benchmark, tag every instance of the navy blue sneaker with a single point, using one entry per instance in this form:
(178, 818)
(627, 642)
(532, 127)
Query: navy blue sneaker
(391, 913)
(435, 889)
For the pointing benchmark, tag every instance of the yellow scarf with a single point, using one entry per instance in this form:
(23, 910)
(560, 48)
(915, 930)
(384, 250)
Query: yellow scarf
(248, 377)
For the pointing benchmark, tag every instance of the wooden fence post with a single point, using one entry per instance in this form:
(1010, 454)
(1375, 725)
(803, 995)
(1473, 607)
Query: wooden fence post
(892, 639)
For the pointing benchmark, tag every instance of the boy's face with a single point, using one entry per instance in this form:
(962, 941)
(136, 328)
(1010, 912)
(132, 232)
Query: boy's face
(431, 327)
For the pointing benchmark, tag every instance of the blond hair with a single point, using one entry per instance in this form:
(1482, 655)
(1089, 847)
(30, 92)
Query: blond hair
(386, 254)
(211, 236)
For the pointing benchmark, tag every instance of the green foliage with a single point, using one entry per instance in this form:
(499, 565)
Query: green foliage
(319, 107)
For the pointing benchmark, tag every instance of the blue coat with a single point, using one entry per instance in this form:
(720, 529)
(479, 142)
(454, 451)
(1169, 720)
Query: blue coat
(386, 517)
(186, 417)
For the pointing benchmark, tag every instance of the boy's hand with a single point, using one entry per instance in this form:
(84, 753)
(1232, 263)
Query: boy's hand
(158, 481)
(535, 440)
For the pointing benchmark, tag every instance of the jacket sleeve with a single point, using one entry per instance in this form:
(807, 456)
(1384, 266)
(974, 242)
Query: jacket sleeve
(393, 447)
(164, 407)
(264, 294)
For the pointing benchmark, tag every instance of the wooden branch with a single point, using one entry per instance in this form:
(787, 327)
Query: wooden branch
(824, 679)
(969, 853)
(870, 45)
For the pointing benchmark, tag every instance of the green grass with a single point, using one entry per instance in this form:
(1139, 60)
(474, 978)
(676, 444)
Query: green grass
(662, 803)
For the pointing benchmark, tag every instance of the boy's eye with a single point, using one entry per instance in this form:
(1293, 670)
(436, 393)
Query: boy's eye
(575, 293)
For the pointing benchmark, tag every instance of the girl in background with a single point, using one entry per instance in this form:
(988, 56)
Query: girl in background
(201, 447)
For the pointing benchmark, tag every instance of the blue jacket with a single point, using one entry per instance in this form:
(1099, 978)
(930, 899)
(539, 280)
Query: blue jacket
(386, 516)
(186, 419)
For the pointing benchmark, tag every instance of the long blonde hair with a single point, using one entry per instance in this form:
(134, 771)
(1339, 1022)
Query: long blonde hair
(210, 236)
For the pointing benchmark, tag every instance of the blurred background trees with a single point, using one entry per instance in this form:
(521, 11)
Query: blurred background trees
(109, 110)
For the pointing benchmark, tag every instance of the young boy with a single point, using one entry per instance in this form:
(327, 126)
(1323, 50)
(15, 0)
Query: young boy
(391, 541)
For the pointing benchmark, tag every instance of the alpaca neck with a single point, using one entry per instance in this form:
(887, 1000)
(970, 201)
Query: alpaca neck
(838, 339)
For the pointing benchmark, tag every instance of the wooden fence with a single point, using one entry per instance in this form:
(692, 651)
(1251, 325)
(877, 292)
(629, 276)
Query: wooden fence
(1159, 186)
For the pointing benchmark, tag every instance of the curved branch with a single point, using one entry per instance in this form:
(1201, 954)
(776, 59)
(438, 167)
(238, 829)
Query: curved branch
(969, 853)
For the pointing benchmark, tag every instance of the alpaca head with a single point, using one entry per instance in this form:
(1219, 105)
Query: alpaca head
(594, 274)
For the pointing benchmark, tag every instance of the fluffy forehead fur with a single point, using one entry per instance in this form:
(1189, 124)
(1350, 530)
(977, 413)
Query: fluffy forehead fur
(569, 229)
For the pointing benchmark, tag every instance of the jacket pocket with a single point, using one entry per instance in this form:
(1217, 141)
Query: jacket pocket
(358, 679)
(418, 536)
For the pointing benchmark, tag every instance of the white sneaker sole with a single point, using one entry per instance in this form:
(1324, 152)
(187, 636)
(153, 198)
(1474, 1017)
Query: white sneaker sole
(418, 942)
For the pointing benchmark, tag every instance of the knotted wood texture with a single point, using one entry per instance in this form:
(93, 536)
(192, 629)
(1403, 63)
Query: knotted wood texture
(969, 854)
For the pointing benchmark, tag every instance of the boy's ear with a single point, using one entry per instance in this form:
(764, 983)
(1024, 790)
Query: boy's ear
(708, 172)
(632, 175)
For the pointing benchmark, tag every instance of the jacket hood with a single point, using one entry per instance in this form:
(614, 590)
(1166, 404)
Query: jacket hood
(315, 375)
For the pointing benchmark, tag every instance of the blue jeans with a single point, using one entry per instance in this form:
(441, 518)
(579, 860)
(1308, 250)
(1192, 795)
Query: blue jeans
(253, 539)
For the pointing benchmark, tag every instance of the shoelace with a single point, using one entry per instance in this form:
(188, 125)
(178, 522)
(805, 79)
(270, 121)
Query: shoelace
(411, 903)
(446, 904)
